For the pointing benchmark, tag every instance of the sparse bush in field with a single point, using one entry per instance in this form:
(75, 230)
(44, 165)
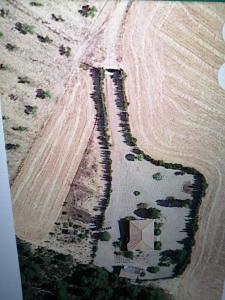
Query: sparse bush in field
(11, 47)
(13, 97)
(87, 11)
(11, 146)
(58, 18)
(37, 4)
(104, 236)
(65, 51)
(153, 269)
(5, 118)
(157, 176)
(4, 67)
(4, 12)
(1, 34)
(24, 28)
(157, 245)
(24, 79)
(43, 94)
(29, 109)
(142, 205)
(45, 39)
(137, 193)
(19, 128)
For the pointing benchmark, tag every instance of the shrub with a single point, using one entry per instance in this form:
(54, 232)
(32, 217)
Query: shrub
(4, 12)
(154, 213)
(128, 254)
(24, 79)
(142, 205)
(117, 244)
(11, 146)
(1, 34)
(37, 4)
(157, 245)
(153, 269)
(65, 51)
(11, 47)
(140, 156)
(157, 231)
(157, 176)
(19, 128)
(5, 118)
(4, 67)
(137, 193)
(58, 18)
(88, 11)
(104, 236)
(45, 39)
(29, 109)
(24, 28)
(40, 93)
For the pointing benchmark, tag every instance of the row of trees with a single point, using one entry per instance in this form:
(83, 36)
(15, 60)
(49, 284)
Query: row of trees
(98, 75)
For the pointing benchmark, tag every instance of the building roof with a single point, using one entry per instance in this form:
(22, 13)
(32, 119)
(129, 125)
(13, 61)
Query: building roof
(141, 235)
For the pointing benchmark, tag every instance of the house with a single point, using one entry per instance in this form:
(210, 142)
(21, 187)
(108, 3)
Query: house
(141, 235)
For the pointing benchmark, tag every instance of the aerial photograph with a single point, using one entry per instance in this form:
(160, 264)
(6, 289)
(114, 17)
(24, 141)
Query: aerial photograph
(114, 122)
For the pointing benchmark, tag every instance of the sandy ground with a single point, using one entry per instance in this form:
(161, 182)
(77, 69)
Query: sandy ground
(171, 53)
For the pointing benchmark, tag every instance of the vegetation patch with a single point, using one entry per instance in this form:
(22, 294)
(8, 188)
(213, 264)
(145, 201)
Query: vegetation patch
(11, 146)
(36, 4)
(147, 213)
(104, 236)
(157, 245)
(88, 11)
(4, 67)
(24, 79)
(136, 193)
(44, 39)
(157, 176)
(4, 13)
(24, 28)
(65, 51)
(11, 47)
(172, 202)
(1, 34)
(58, 18)
(43, 94)
(153, 269)
(19, 128)
(29, 109)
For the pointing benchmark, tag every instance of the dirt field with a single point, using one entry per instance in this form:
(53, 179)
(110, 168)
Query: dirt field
(171, 53)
